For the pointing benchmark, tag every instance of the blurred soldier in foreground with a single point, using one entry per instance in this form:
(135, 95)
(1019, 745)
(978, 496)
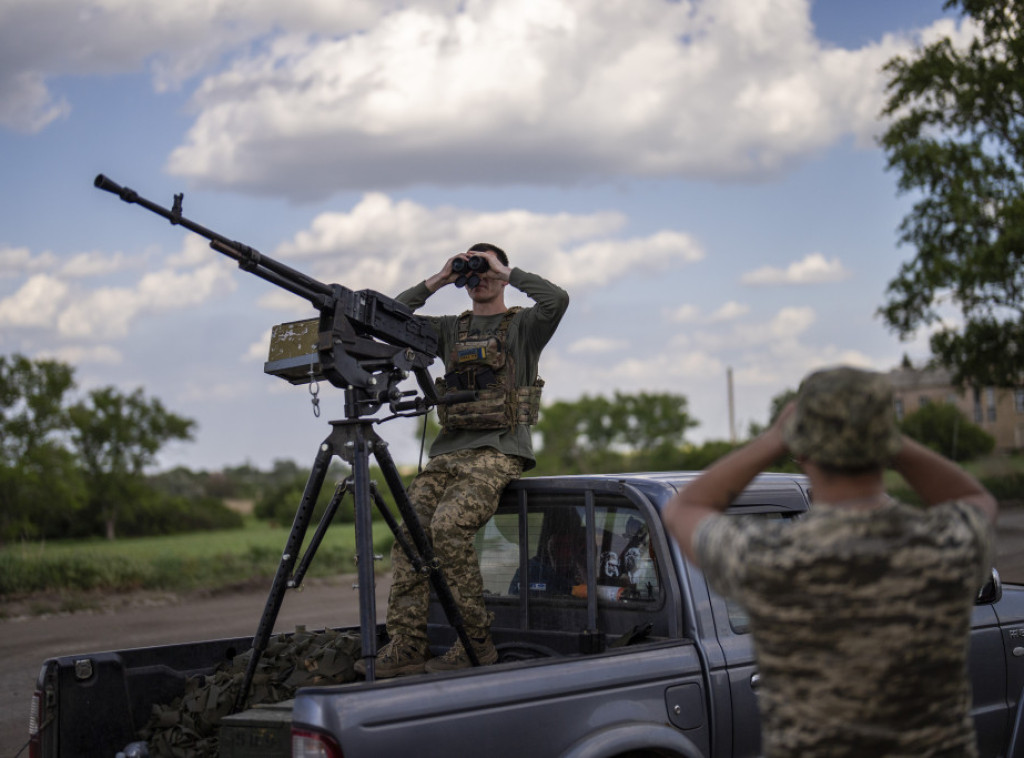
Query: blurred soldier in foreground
(860, 611)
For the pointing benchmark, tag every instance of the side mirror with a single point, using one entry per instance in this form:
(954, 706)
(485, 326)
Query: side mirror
(991, 591)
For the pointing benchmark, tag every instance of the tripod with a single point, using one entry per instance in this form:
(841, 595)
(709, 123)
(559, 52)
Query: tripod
(353, 439)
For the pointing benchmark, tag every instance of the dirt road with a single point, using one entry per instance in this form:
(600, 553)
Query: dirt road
(155, 619)
(142, 620)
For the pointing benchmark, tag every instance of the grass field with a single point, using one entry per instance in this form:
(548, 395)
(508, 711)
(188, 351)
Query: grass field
(177, 562)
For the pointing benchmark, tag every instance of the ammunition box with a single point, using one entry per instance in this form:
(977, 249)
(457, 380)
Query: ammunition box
(293, 353)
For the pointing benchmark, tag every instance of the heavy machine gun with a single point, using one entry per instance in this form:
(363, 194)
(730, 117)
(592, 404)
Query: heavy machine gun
(365, 340)
(366, 344)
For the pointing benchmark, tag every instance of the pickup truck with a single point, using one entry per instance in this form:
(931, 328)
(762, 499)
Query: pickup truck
(632, 655)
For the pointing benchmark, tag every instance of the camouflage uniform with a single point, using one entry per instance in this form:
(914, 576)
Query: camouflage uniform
(860, 617)
(454, 496)
(860, 621)
(459, 489)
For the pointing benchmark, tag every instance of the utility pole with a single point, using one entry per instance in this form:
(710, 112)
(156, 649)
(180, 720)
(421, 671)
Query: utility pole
(732, 406)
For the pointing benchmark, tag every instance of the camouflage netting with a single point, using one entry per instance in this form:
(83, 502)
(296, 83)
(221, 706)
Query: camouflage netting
(187, 727)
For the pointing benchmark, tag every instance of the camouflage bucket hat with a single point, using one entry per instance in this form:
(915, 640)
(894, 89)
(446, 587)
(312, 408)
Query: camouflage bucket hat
(844, 419)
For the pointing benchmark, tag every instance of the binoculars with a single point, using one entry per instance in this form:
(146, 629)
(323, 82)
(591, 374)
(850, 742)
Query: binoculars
(469, 270)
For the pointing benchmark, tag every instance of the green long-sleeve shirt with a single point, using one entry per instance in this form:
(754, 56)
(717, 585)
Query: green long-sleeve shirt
(528, 333)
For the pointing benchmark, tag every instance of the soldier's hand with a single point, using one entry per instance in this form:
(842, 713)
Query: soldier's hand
(445, 275)
(495, 268)
(776, 427)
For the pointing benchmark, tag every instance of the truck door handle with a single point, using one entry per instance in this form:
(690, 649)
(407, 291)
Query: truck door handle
(755, 682)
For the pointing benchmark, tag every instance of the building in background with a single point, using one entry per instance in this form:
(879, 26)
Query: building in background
(999, 411)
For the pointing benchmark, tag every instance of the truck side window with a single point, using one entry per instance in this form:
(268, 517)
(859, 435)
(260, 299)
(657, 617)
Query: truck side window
(739, 619)
(556, 553)
(627, 567)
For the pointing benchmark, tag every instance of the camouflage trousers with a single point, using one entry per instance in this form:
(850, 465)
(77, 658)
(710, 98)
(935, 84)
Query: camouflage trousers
(453, 497)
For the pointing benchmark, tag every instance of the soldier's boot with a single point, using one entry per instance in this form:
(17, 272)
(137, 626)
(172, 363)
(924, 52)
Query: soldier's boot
(399, 657)
(456, 658)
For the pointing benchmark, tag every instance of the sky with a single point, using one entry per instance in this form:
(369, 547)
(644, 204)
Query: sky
(702, 176)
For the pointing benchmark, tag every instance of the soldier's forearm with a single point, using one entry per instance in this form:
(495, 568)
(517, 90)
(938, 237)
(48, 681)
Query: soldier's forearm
(937, 479)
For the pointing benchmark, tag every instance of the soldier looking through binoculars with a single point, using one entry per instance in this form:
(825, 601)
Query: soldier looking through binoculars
(483, 445)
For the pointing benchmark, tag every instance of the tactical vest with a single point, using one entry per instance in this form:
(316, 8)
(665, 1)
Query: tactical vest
(486, 366)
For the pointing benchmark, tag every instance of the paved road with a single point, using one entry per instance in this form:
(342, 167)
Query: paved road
(26, 642)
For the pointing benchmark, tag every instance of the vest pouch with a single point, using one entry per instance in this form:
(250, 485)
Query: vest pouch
(453, 380)
(528, 405)
(490, 410)
(485, 378)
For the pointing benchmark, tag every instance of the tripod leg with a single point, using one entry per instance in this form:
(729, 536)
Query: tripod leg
(364, 550)
(320, 533)
(419, 538)
(396, 529)
(281, 579)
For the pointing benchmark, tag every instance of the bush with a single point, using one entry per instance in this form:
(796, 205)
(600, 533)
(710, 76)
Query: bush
(163, 514)
(1008, 488)
(699, 458)
(946, 430)
(279, 503)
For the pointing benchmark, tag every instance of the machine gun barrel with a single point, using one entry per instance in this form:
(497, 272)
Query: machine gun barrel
(350, 322)
(248, 258)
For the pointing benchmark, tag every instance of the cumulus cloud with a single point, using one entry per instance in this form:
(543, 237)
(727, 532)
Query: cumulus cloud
(386, 244)
(17, 261)
(730, 311)
(59, 301)
(26, 104)
(767, 353)
(691, 314)
(597, 345)
(95, 264)
(588, 88)
(813, 269)
(309, 97)
(791, 321)
(257, 351)
(683, 314)
(662, 368)
(35, 304)
(78, 355)
(108, 312)
(703, 354)
(43, 39)
(785, 326)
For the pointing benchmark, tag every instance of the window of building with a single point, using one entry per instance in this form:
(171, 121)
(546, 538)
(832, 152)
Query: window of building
(897, 405)
(990, 403)
(923, 400)
(1018, 400)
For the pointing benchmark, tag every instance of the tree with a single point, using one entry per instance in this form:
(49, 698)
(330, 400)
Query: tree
(599, 434)
(39, 482)
(281, 499)
(957, 141)
(116, 437)
(943, 428)
(779, 403)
